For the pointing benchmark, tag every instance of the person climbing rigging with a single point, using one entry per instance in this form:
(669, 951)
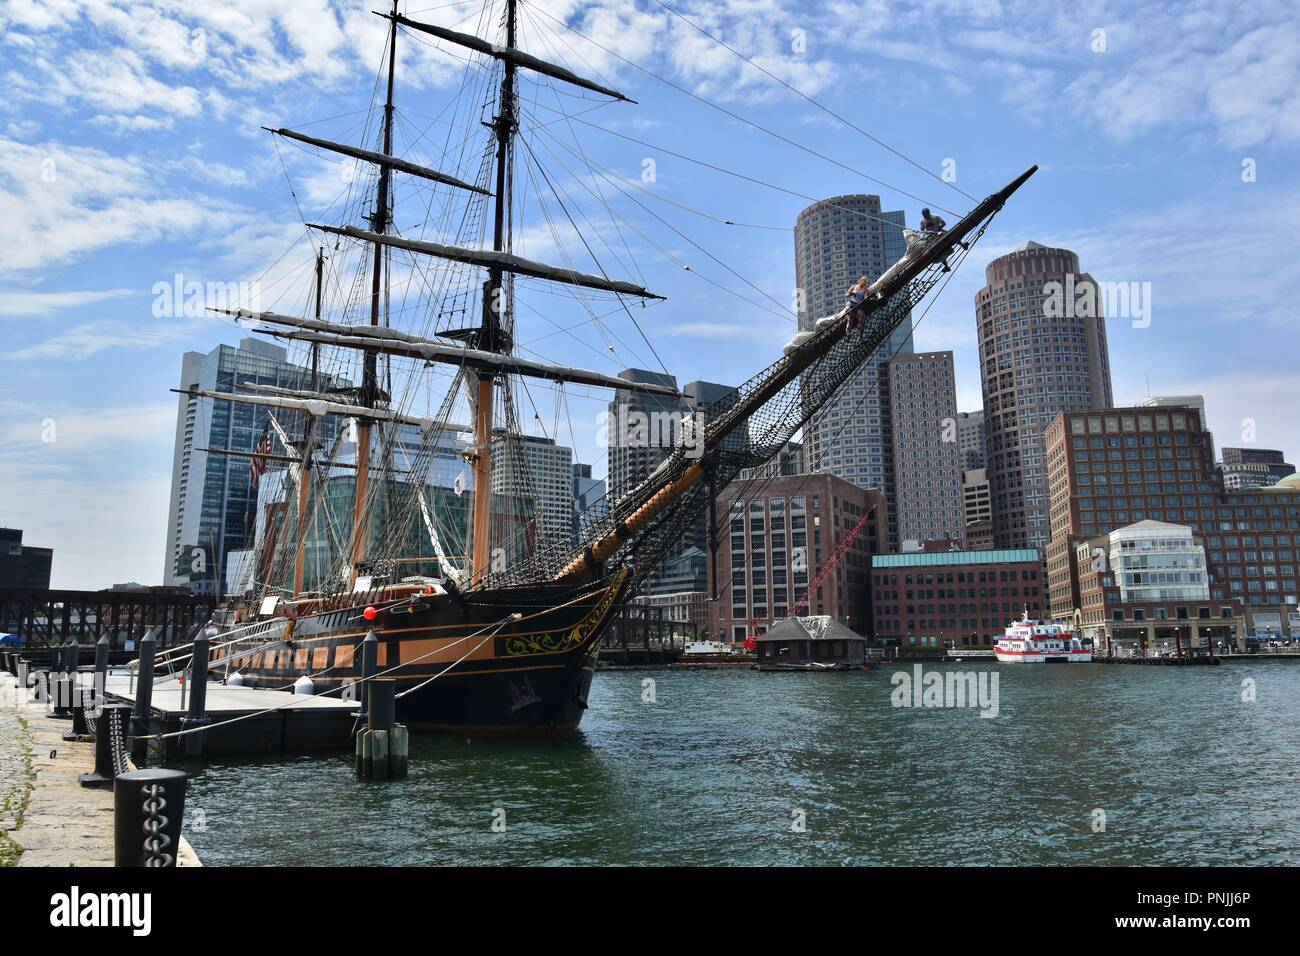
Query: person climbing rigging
(931, 223)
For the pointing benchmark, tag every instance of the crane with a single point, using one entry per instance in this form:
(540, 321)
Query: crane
(816, 582)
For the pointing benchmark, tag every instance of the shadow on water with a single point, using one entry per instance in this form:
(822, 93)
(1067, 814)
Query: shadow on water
(724, 766)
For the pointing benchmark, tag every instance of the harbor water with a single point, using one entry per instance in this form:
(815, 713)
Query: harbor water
(1083, 764)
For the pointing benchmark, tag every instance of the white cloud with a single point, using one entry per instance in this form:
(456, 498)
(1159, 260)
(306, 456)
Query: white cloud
(90, 338)
(59, 203)
(14, 303)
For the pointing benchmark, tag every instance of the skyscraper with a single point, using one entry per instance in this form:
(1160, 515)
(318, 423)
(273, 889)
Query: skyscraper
(644, 429)
(540, 471)
(589, 501)
(1042, 352)
(836, 241)
(926, 451)
(970, 439)
(635, 453)
(213, 500)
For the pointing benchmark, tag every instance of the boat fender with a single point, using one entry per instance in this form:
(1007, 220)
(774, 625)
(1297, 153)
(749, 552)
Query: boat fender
(304, 686)
(235, 680)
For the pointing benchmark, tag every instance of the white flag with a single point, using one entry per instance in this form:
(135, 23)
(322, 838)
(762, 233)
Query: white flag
(458, 485)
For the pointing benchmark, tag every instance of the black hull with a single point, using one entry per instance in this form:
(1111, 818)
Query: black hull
(524, 676)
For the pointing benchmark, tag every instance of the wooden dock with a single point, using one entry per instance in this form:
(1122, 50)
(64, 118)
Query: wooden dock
(244, 720)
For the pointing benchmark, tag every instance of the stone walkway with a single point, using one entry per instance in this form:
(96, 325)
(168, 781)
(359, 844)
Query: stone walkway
(15, 772)
(63, 823)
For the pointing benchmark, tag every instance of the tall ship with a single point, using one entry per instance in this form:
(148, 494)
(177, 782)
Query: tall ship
(487, 616)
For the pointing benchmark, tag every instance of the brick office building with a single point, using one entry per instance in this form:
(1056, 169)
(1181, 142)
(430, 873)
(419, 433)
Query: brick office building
(957, 598)
(774, 536)
(1116, 467)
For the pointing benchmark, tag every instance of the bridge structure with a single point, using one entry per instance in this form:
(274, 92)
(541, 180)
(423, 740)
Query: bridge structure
(49, 618)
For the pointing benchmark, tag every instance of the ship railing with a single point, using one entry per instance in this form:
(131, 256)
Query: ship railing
(262, 634)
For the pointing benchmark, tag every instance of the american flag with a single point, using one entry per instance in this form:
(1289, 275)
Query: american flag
(258, 464)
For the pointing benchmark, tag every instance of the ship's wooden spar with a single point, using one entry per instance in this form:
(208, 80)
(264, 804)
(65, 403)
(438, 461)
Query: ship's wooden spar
(508, 54)
(492, 259)
(586, 565)
(318, 407)
(381, 159)
(391, 341)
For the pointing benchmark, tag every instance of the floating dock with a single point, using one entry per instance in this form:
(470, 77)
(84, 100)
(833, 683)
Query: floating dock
(244, 720)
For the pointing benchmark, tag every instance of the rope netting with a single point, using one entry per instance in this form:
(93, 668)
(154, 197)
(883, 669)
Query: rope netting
(744, 429)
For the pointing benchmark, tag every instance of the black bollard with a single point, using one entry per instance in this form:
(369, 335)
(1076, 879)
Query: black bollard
(142, 715)
(110, 754)
(197, 716)
(369, 667)
(56, 658)
(383, 704)
(101, 666)
(72, 657)
(79, 726)
(60, 695)
(148, 806)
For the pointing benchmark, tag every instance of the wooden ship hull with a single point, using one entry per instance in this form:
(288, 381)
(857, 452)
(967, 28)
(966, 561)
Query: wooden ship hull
(508, 661)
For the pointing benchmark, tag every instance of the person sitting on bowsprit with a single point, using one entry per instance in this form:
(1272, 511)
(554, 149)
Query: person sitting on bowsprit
(930, 223)
(856, 293)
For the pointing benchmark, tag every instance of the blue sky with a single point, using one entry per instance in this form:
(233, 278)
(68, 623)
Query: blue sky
(130, 151)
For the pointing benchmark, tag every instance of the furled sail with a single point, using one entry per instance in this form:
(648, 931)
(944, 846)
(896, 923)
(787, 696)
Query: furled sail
(517, 57)
(395, 342)
(505, 261)
(318, 407)
(381, 159)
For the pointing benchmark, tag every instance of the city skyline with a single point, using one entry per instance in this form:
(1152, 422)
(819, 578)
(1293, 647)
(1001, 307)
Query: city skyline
(126, 175)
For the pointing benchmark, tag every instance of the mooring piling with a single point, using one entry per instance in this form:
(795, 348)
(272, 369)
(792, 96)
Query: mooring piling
(383, 744)
(110, 746)
(369, 667)
(148, 808)
(143, 715)
(196, 713)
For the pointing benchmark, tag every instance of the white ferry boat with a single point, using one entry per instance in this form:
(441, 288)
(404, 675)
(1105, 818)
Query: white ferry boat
(1038, 642)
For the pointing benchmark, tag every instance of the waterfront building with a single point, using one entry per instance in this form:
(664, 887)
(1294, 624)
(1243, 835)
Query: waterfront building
(1042, 352)
(1253, 467)
(213, 496)
(1116, 467)
(685, 611)
(970, 439)
(941, 599)
(1144, 590)
(836, 241)
(23, 565)
(810, 643)
(776, 535)
(927, 456)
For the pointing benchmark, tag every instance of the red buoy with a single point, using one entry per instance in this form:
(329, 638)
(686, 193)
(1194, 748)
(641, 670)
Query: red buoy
(370, 613)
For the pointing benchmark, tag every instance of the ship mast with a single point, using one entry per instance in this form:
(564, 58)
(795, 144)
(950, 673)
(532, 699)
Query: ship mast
(309, 443)
(490, 338)
(369, 381)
